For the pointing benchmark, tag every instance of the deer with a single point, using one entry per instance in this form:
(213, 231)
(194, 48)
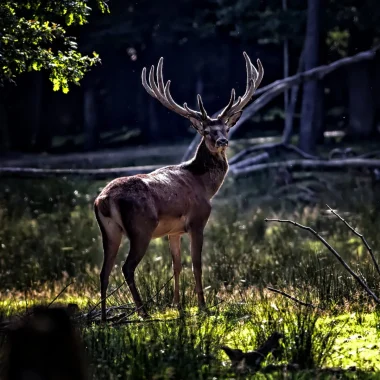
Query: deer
(172, 200)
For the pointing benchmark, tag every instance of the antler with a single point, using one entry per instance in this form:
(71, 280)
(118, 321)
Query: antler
(254, 78)
(161, 92)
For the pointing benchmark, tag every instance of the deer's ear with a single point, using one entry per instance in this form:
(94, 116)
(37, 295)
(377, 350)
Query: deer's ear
(196, 124)
(232, 120)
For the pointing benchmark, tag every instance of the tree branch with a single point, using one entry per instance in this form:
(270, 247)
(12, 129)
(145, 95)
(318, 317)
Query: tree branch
(276, 88)
(333, 251)
(338, 164)
(93, 173)
(363, 239)
(291, 297)
(268, 147)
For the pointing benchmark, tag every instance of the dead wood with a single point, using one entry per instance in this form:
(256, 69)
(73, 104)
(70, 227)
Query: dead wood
(271, 91)
(292, 165)
(359, 280)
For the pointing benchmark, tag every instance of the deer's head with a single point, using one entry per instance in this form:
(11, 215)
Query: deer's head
(214, 130)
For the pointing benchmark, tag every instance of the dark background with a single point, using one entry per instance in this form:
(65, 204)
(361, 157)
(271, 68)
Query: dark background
(202, 43)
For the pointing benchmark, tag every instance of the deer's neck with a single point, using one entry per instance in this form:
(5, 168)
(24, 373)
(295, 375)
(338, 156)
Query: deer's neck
(210, 168)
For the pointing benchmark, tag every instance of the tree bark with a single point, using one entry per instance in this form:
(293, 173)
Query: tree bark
(361, 104)
(309, 112)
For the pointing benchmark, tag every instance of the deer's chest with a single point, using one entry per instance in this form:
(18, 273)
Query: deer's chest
(170, 226)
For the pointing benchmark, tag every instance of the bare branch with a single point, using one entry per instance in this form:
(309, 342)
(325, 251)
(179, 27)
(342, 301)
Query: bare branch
(268, 147)
(252, 161)
(363, 239)
(292, 165)
(333, 251)
(59, 294)
(292, 298)
(276, 88)
(94, 173)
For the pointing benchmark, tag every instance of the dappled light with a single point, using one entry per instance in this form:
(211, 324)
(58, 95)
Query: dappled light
(189, 190)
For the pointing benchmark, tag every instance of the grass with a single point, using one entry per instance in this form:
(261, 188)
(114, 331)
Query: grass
(49, 239)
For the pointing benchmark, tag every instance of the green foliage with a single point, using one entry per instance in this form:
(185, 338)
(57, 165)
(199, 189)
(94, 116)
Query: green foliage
(33, 37)
(250, 20)
(47, 227)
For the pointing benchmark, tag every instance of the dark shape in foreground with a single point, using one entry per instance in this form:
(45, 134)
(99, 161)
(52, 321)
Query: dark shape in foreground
(252, 359)
(45, 345)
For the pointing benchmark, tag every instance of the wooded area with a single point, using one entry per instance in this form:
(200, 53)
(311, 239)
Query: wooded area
(202, 44)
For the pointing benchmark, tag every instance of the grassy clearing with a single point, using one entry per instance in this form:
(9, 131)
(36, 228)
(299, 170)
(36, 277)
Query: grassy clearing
(49, 239)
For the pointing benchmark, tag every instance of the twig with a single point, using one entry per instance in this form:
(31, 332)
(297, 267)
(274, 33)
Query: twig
(252, 160)
(145, 303)
(363, 239)
(333, 251)
(337, 164)
(267, 147)
(56, 297)
(292, 298)
(94, 173)
(109, 295)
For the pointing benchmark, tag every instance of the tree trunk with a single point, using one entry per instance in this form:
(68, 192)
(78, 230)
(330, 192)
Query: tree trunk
(36, 107)
(286, 74)
(360, 104)
(310, 108)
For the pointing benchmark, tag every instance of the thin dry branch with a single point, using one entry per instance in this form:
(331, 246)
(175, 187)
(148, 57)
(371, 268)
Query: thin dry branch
(333, 251)
(363, 239)
(270, 147)
(338, 164)
(94, 173)
(252, 160)
(276, 88)
(59, 294)
(292, 298)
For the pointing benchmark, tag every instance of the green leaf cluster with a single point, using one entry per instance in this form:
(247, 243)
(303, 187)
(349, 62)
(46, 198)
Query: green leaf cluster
(33, 36)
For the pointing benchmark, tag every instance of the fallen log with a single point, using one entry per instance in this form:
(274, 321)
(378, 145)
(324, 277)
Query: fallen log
(276, 88)
(235, 170)
(96, 174)
(339, 164)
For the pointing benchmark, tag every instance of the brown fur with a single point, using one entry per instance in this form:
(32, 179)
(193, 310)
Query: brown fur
(172, 200)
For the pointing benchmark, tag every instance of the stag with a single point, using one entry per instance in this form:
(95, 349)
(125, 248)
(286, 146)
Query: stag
(172, 200)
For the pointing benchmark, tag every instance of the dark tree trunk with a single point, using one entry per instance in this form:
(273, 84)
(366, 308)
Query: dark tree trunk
(310, 120)
(42, 121)
(36, 107)
(361, 106)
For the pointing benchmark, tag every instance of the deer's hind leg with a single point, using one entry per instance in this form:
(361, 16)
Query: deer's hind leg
(111, 236)
(139, 224)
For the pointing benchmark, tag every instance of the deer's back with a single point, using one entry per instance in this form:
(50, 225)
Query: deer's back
(170, 195)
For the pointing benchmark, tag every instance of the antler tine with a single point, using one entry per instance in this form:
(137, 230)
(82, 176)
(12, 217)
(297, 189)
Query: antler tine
(161, 92)
(260, 73)
(145, 83)
(160, 76)
(251, 71)
(229, 105)
(201, 107)
(254, 78)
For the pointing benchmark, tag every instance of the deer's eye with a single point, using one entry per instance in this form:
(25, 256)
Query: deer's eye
(206, 132)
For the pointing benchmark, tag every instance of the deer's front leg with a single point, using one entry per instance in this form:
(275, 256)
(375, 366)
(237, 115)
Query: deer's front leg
(175, 249)
(196, 241)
